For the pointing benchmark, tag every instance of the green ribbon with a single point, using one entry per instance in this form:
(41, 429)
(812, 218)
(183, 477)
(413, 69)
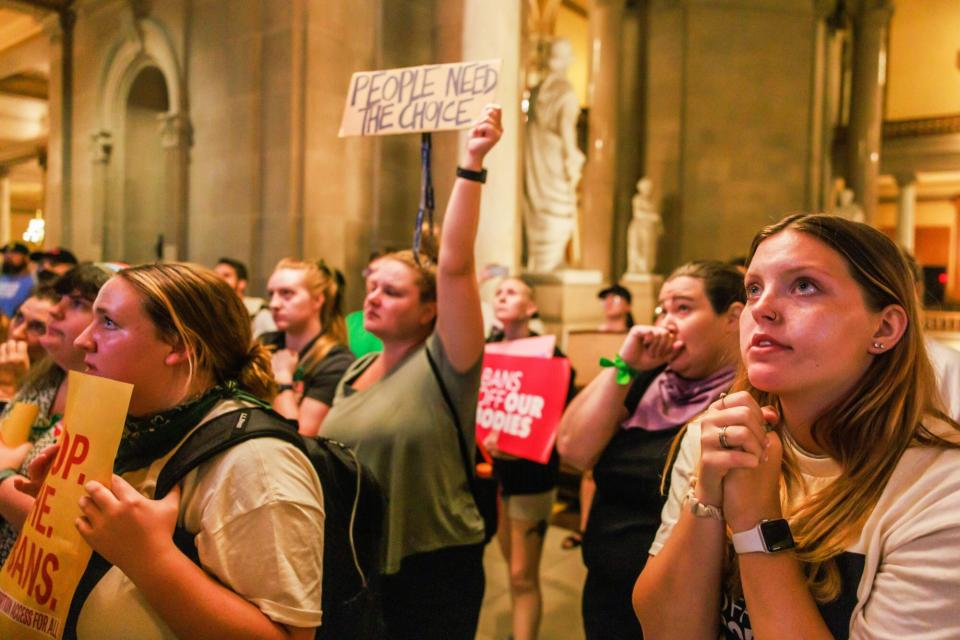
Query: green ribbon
(625, 373)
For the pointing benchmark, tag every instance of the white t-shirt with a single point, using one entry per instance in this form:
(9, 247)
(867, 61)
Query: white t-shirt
(946, 364)
(902, 576)
(257, 514)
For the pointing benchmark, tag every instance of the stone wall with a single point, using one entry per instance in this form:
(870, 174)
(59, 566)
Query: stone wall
(729, 132)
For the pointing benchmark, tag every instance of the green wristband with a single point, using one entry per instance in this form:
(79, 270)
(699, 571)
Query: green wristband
(7, 473)
(625, 373)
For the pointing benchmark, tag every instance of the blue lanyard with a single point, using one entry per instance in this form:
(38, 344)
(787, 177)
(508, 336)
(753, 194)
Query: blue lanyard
(426, 195)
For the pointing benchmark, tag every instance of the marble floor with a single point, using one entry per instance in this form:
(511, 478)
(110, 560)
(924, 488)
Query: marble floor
(562, 576)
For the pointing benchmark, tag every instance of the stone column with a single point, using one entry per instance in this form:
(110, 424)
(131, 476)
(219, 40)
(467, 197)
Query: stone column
(600, 174)
(496, 34)
(175, 136)
(906, 210)
(870, 24)
(4, 205)
(56, 193)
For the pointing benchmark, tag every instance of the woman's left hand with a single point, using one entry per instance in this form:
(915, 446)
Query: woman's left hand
(752, 494)
(483, 136)
(490, 444)
(124, 527)
(284, 363)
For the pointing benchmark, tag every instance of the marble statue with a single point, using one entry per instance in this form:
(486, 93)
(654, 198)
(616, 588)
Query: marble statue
(552, 164)
(847, 208)
(644, 231)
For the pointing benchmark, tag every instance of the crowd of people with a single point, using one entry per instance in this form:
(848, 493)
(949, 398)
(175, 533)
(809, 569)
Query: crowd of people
(774, 454)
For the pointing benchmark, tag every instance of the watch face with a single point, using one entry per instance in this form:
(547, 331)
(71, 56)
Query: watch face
(776, 535)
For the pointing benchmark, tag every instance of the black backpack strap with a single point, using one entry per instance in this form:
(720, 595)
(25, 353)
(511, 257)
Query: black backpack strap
(464, 455)
(218, 435)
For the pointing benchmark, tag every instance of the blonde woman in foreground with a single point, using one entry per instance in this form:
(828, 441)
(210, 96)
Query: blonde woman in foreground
(819, 500)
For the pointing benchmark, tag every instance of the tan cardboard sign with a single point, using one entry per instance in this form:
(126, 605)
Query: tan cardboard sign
(436, 97)
(43, 570)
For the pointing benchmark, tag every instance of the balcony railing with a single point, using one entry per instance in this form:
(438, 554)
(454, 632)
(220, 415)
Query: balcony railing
(912, 128)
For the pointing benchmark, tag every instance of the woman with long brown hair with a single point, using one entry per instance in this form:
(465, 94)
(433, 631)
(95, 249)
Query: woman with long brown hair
(819, 500)
(309, 349)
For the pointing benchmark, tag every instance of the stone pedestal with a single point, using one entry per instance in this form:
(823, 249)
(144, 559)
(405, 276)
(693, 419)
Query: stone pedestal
(567, 299)
(644, 288)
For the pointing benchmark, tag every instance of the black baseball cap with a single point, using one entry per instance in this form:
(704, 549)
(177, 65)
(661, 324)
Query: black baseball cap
(57, 255)
(16, 247)
(616, 290)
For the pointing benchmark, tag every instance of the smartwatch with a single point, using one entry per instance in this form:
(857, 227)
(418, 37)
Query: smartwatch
(769, 536)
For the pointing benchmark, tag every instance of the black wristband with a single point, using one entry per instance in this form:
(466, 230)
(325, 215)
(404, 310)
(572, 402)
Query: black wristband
(284, 387)
(476, 176)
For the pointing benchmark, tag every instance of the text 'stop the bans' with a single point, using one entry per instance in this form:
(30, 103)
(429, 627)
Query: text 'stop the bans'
(436, 97)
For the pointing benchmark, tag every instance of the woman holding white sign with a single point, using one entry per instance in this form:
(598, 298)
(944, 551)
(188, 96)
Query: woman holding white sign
(391, 408)
(623, 423)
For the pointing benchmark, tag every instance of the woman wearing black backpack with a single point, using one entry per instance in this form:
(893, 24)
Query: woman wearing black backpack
(254, 514)
(390, 407)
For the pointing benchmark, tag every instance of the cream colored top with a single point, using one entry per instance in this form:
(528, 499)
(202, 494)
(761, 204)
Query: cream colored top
(257, 512)
(907, 556)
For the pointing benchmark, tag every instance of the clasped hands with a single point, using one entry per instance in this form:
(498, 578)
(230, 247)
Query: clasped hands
(743, 477)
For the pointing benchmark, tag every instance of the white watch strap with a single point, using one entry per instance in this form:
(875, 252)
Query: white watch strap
(749, 541)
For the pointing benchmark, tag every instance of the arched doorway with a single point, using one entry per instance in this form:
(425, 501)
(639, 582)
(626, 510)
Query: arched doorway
(145, 188)
(141, 150)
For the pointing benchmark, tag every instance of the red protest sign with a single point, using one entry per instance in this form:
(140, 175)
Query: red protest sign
(522, 399)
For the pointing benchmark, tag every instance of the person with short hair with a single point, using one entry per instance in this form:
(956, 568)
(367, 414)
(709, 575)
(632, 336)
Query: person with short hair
(819, 499)
(16, 280)
(22, 348)
(527, 488)
(621, 426)
(235, 274)
(309, 350)
(617, 317)
(53, 263)
(46, 386)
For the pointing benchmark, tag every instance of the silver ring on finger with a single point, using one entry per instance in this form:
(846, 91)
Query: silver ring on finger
(723, 438)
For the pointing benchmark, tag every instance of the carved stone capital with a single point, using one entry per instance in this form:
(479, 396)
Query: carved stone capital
(175, 130)
(872, 13)
(905, 179)
(102, 147)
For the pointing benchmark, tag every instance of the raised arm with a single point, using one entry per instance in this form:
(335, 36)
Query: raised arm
(593, 417)
(459, 321)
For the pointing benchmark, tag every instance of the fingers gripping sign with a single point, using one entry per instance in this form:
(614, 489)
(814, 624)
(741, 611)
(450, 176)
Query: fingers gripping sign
(123, 526)
(37, 471)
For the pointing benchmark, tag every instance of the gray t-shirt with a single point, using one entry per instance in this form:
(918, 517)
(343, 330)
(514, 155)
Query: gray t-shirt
(401, 429)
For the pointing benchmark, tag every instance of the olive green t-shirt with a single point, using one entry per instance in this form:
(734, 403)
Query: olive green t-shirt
(401, 428)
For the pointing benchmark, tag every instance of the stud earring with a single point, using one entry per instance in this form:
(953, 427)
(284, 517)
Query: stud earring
(877, 345)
